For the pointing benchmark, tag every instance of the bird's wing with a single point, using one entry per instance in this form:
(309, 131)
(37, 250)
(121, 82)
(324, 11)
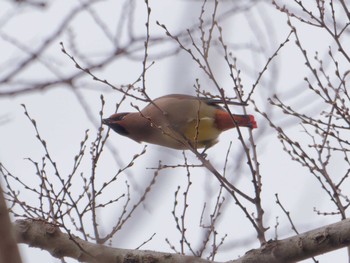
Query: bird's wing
(178, 110)
(212, 101)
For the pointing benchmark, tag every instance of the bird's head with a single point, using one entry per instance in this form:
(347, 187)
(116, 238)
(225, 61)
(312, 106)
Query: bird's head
(117, 122)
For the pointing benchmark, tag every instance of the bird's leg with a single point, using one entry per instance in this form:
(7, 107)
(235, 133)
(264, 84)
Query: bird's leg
(203, 154)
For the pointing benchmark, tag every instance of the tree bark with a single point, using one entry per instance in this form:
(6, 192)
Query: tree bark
(9, 252)
(49, 237)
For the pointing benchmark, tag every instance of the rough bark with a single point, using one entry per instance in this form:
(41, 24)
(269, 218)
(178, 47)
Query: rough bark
(8, 247)
(303, 246)
(46, 236)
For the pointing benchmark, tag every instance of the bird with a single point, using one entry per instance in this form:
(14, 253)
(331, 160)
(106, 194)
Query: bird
(179, 121)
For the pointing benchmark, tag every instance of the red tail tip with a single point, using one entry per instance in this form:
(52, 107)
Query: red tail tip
(253, 122)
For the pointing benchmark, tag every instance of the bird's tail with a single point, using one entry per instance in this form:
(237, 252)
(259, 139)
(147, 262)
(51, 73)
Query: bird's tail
(245, 121)
(224, 121)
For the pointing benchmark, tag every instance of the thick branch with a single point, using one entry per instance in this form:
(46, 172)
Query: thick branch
(8, 248)
(46, 236)
(37, 233)
(303, 246)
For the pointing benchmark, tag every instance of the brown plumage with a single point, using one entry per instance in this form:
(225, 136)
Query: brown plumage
(177, 120)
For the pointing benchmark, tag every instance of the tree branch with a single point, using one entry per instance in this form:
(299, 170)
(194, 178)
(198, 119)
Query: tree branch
(300, 247)
(49, 237)
(8, 248)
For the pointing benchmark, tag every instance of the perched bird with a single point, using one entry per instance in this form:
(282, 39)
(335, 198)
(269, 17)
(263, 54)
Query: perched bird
(178, 120)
